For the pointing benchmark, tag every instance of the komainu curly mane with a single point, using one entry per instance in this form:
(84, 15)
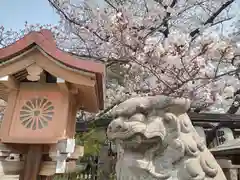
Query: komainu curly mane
(156, 141)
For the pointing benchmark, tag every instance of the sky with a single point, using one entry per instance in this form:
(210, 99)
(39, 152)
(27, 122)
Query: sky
(14, 13)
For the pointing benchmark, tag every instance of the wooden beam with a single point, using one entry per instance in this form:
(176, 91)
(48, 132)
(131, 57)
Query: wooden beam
(208, 117)
(73, 89)
(10, 82)
(21, 62)
(63, 85)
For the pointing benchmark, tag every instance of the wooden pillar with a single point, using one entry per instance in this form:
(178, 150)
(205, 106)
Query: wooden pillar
(32, 163)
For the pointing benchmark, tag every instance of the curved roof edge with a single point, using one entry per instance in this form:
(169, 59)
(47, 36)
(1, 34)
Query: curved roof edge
(45, 40)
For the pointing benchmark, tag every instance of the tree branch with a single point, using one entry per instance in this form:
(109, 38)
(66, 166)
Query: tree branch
(167, 17)
(211, 19)
(110, 4)
(61, 12)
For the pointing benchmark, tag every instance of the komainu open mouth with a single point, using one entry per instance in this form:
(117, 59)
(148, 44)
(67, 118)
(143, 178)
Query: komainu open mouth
(138, 142)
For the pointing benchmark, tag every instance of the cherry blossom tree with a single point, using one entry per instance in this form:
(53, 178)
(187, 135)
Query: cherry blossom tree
(170, 47)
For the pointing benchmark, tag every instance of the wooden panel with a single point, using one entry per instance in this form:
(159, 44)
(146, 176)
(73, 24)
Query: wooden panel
(88, 99)
(40, 115)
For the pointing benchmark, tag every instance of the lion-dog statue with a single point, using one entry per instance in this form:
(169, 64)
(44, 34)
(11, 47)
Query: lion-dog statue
(155, 140)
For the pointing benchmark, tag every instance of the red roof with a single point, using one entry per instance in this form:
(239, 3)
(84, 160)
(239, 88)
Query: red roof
(44, 39)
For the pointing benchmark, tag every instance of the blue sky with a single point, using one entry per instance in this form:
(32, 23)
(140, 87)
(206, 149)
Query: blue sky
(14, 13)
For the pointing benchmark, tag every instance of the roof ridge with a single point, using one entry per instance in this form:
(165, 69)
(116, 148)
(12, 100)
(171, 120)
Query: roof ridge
(48, 35)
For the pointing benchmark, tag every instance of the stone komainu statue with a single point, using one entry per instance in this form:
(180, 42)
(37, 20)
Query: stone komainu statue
(156, 140)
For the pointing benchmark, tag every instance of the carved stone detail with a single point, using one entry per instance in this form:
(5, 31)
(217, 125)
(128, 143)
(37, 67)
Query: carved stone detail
(156, 140)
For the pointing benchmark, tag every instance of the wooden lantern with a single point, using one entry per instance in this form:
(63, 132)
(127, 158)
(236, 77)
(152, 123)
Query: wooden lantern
(44, 88)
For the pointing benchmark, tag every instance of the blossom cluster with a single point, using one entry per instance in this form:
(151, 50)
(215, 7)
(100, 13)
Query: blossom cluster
(167, 47)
